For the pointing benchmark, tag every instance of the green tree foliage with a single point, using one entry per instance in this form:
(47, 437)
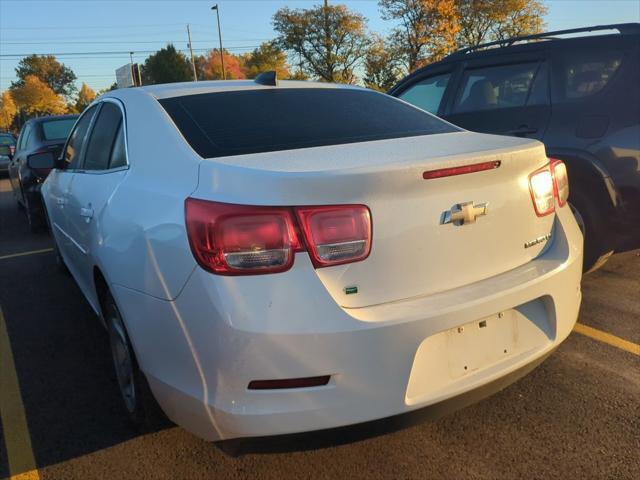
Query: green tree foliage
(486, 20)
(426, 29)
(34, 97)
(167, 65)
(59, 77)
(381, 66)
(85, 96)
(268, 56)
(208, 67)
(8, 110)
(330, 41)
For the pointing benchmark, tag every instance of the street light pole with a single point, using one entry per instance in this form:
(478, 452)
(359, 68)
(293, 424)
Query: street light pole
(215, 7)
(193, 63)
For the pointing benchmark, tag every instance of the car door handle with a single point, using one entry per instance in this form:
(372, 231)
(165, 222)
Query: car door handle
(86, 212)
(61, 201)
(523, 130)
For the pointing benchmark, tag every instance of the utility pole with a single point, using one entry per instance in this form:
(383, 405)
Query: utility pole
(215, 7)
(193, 63)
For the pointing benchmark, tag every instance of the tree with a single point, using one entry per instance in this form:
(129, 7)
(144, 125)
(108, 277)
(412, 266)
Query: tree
(486, 20)
(85, 97)
(8, 110)
(329, 40)
(381, 66)
(427, 29)
(59, 77)
(167, 65)
(268, 56)
(36, 98)
(113, 86)
(208, 66)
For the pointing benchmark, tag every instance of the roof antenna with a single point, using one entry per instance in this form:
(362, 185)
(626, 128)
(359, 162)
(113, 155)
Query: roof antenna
(269, 78)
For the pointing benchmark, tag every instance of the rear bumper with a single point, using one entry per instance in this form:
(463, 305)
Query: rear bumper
(201, 350)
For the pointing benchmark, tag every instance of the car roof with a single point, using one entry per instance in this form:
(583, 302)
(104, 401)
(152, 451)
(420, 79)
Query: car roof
(539, 41)
(169, 90)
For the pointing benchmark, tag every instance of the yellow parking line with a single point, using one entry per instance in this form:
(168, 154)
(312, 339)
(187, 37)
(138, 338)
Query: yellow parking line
(607, 338)
(22, 463)
(22, 254)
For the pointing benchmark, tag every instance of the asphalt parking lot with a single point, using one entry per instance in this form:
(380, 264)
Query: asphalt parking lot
(575, 416)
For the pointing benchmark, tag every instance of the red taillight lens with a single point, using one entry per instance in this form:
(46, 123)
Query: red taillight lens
(561, 181)
(542, 187)
(336, 234)
(238, 240)
(247, 240)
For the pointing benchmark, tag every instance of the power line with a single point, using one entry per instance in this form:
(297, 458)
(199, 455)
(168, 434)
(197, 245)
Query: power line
(123, 52)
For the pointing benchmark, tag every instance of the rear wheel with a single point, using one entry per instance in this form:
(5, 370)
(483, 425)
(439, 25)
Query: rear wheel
(36, 222)
(142, 408)
(592, 223)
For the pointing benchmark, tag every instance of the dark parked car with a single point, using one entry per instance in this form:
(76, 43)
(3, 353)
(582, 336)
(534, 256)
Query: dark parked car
(580, 95)
(40, 139)
(7, 149)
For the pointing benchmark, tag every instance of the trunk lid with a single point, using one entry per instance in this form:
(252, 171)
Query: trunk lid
(413, 253)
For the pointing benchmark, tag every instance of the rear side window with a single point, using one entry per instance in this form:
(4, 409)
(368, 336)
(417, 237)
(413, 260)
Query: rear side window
(118, 155)
(427, 94)
(73, 149)
(57, 129)
(588, 72)
(103, 137)
(253, 121)
(501, 86)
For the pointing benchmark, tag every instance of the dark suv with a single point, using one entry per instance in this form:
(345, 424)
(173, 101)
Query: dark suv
(580, 95)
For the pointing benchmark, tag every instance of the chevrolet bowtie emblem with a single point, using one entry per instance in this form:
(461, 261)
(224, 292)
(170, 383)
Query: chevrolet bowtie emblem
(464, 213)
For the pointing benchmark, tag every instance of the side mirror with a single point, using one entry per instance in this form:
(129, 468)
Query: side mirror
(41, 161)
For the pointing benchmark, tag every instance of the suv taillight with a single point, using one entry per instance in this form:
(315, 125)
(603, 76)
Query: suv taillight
(230, 239)
(548, 183)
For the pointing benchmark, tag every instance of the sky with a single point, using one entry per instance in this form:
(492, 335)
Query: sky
(94, 37)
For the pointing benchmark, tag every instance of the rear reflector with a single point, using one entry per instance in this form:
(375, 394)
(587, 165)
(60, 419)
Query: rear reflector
(336, 234)
(450, 172)
(289, 383)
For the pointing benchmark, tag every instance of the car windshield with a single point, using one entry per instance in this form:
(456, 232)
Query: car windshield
(57, 129)
(266, 120)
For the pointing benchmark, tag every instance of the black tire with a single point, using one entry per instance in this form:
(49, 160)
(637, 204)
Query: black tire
(592, 222)
(36, 222)
(137, 399)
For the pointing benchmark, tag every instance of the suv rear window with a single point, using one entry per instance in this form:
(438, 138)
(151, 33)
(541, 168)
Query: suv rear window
(253, 121)
(57, 129)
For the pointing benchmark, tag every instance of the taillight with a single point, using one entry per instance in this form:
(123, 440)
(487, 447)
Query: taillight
(232, 239)
(238, 240)
(561, 181)
(542, 191)
(547, 184)
(336, 234)
(12, 149)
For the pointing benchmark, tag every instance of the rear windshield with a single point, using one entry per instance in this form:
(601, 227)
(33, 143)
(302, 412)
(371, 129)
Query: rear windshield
(57, 129)
(7, 140)
(253, 121)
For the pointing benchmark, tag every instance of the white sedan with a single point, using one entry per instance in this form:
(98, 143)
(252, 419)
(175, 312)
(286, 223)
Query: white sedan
(277, 258)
